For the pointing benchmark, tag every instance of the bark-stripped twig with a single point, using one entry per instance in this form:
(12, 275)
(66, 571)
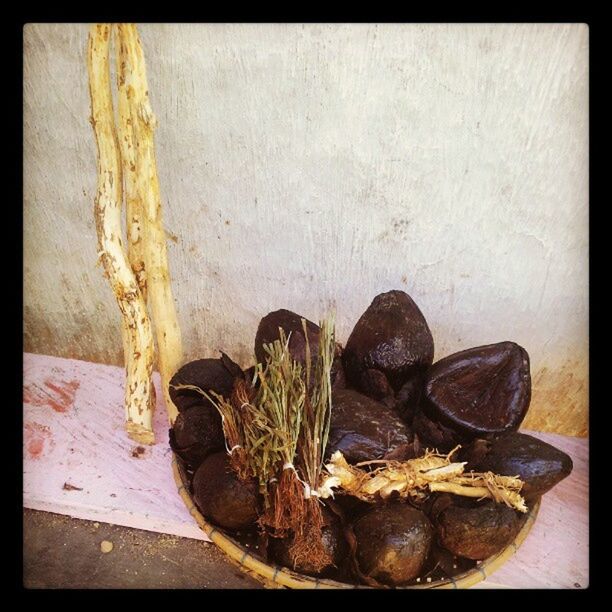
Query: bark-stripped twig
(138, 338)
(136, 227)
(143, 124)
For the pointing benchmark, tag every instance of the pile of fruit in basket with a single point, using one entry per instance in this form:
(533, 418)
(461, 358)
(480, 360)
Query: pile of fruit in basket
(365, 463)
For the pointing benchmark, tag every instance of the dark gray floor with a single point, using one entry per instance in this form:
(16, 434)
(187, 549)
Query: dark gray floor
(60, 552)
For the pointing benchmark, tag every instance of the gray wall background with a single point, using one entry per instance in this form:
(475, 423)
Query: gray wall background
(313, 166)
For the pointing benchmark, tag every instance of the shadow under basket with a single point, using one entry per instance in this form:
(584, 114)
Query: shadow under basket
(273, 576)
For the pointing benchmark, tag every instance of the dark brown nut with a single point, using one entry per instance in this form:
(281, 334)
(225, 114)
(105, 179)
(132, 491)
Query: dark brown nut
(337, 374)
(390, 343)
(249, 373)
(443, 561)
(216, 375)
(223, 498)
(351, 507)
(197, 432)
(539, 465)
(364, 429)
(477, 530)
(375, 384)
(393, 542)
(333, 542)
(435, 435)
(412, 450)
(291, 323)
(473, 453)
(483, 390)
(435, 503)
(408, 398)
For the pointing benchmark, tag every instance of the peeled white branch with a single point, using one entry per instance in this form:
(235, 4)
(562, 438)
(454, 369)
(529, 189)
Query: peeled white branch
(143, 123)
(136, 228)
(135, 223)
(137, 334)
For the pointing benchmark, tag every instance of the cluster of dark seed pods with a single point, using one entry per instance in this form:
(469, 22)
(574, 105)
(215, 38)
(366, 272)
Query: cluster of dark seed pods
(390, 401)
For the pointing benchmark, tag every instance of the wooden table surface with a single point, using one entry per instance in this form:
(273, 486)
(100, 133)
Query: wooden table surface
(78, 461)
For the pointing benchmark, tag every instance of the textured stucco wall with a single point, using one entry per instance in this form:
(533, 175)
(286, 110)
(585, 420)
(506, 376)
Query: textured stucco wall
(317, 165)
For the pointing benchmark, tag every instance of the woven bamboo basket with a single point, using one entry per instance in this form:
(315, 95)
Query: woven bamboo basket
(275, 577)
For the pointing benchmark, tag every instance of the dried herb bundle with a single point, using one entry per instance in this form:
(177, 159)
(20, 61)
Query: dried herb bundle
(276, 429)
(316, 416)
(272, 442)
(416, 478)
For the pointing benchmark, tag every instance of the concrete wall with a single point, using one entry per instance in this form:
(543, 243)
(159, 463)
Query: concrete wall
(312, 166)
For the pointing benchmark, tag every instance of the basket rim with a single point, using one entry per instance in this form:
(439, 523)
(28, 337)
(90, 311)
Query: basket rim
(280, 576)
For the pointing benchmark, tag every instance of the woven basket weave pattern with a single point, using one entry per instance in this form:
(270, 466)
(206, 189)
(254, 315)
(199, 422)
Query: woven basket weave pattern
(273, 576)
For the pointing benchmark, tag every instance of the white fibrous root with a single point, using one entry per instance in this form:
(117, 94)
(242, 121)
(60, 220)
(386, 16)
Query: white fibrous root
(147, 235)
(417, 478)
(136, 326)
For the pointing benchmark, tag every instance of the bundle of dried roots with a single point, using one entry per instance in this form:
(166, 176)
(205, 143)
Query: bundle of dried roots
(416, 478)
(276, 428)
(316, 418)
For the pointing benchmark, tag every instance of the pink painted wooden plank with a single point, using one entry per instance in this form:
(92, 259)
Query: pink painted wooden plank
(74, 435)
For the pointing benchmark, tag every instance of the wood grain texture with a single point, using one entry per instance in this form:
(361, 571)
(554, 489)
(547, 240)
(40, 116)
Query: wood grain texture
(311, 166)
(78, 461)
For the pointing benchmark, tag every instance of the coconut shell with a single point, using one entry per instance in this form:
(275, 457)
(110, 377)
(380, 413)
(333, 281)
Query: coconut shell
(389, 345)
(476, 530)
(222, 497)
(197, 432)
(364, 429)
(539, 465)
(291, 323)
(393, 542)
(216, 375)
(482, 390)
(333, 542)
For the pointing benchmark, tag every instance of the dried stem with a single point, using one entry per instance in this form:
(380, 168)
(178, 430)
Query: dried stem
(307, 543)
(136, 327)
(279, 405)
(143, 124)
(316, 416)
(237, 417)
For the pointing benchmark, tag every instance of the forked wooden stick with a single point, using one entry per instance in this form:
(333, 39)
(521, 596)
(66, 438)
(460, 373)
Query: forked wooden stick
(142, 171)
(138, 337)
